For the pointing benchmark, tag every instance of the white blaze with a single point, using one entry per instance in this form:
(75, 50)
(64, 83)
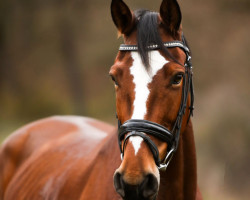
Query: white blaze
(142, 78)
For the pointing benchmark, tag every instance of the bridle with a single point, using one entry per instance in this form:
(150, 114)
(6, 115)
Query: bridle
(138, 127)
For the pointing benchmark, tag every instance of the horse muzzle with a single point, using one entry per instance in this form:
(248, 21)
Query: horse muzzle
(146, 189)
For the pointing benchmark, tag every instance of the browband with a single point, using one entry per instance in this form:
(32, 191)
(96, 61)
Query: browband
(126, 47)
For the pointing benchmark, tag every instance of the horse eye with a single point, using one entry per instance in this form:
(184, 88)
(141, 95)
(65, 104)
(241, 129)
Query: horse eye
(177, 79)
(114, 80)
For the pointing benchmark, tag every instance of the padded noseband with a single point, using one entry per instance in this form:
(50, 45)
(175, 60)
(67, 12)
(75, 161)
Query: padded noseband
(138, 127)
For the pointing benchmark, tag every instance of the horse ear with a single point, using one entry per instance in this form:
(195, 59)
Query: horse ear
(170, 13)
(122, 16)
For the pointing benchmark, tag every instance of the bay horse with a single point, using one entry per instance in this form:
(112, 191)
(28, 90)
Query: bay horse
(71, 157)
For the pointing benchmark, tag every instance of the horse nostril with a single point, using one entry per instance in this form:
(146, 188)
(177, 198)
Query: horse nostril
(119, 184)
(149, 186)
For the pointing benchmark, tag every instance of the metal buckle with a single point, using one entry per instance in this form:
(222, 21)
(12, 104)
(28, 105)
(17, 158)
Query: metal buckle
(167, 160)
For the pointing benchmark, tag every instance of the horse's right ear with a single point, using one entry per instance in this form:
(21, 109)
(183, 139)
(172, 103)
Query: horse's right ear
(122, 16)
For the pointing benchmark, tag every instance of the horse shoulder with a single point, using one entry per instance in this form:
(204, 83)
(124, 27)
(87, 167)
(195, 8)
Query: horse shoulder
(26, 143)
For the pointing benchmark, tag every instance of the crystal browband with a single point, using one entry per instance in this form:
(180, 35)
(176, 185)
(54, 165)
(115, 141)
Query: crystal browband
(125, 47)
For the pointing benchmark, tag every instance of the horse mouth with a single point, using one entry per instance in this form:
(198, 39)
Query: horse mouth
(138, 197)
(146, 190)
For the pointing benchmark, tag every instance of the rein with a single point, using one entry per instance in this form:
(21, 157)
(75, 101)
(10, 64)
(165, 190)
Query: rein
(137, 127)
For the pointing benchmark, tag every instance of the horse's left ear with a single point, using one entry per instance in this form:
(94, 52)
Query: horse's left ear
(170, 13)
(122, 16)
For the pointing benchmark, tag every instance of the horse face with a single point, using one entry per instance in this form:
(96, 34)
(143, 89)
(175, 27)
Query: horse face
(147, 87)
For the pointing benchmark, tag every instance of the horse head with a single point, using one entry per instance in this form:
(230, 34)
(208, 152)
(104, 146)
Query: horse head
(152, 75)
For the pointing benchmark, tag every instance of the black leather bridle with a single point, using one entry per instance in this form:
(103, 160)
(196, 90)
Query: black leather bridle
(143, 128)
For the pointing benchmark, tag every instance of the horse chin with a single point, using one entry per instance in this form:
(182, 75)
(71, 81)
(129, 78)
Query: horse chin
(136, 197)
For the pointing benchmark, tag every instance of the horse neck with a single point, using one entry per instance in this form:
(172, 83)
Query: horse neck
(108, 159)
(179, 181)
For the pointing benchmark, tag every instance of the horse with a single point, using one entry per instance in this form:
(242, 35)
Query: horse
(151, 156)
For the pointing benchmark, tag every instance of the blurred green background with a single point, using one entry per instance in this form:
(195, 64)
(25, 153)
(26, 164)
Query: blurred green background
(55, 57)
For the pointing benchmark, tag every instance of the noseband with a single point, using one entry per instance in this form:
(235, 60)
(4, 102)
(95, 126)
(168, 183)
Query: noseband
(143, 128)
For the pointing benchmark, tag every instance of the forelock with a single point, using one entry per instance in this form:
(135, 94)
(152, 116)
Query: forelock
(148, 34)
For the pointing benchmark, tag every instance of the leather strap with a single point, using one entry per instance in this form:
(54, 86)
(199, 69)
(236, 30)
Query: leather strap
(148, 127)
(149, 142)
(126, 47)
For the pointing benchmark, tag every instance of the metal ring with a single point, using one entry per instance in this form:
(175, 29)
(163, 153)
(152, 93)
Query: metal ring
(167, 160)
